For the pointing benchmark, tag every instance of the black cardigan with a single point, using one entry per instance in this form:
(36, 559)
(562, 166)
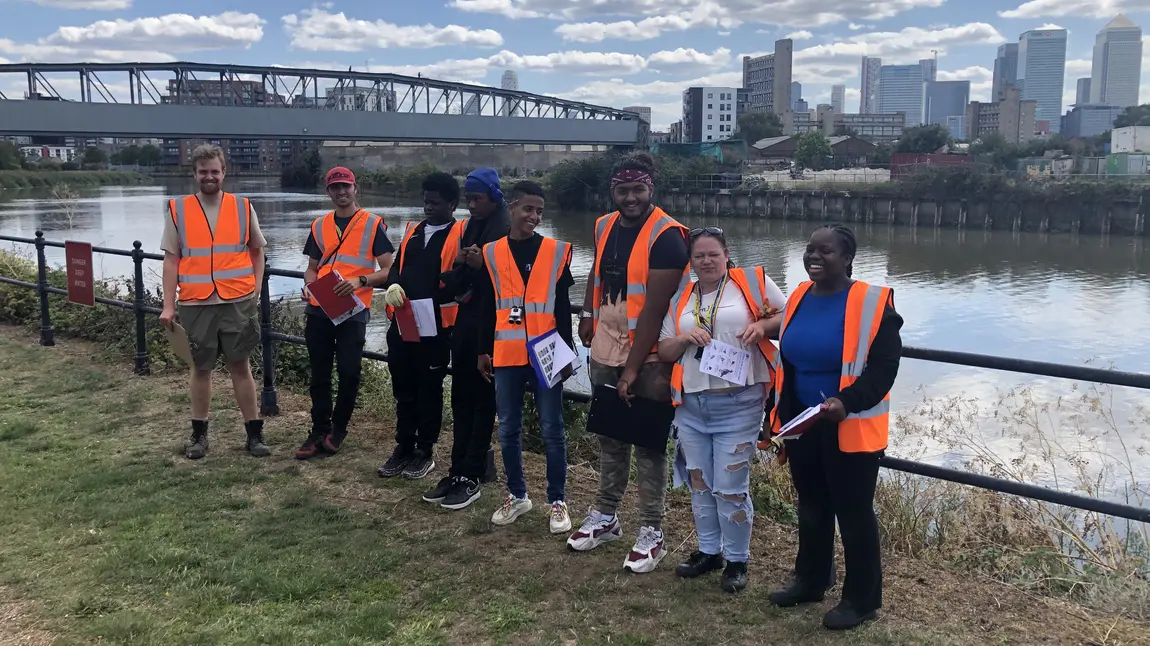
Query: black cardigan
(877, 377)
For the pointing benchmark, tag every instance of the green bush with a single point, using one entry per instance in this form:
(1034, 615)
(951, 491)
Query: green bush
(49, 178)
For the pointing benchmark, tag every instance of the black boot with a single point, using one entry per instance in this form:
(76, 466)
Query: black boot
(698, 564)
(734, 577)
(795, 593)
(845, 616)
(255, 444)
(197, 446)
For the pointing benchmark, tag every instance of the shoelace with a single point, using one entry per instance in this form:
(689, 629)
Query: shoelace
(647, 540)
(593, 520)
(558, 511)
(506, 509)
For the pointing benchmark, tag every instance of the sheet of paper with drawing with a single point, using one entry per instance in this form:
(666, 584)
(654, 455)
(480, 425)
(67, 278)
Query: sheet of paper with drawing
(725, 361)
(549, 355)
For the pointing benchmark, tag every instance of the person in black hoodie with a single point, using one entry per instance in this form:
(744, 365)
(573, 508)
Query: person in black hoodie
(472, 396)
(839, 349)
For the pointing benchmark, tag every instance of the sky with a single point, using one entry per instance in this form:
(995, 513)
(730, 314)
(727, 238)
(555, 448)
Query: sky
(606, 52)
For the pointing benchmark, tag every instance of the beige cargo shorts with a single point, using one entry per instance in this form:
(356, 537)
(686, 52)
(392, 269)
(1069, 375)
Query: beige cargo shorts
(231, 329)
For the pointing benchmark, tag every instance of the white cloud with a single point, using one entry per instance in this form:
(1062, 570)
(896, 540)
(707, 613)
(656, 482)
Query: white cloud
(856, 27)
(664, 97)
(508, 8)
(646, 29)
(688, 60)
(319, 30)
(174, 32)
(1049, 25)
(95, 5)
(43, 53)
(981, 80)
(906, 46)
(1078, 67)
(1100, 9)
(801, 34)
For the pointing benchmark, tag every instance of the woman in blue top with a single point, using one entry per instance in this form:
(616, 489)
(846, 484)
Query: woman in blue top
(834, 464)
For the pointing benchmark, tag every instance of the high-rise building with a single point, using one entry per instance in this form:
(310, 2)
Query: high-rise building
(1117, 69)
(769, 79)
(1011, 116)
(868, 90)
(1082, 93)
(644, 111)
(1041, 72)
(1088, 120)
(1005, 69)
(709, 113)
(945, 99)
(796, 95)
(838, 98)
(509, 81)
(901, 89)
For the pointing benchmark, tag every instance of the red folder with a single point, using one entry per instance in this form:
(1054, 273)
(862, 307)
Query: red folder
(405, 319)
(323, 290)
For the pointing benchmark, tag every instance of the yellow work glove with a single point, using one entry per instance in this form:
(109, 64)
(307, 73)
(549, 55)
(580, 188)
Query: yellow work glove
(394, 296)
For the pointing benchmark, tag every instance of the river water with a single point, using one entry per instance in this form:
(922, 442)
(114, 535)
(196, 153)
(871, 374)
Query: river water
(1063, 298)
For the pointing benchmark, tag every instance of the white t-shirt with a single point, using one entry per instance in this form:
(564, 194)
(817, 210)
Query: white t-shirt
(732, 318)
(432, 229)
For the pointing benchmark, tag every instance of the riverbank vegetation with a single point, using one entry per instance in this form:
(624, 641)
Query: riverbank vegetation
(13, 179)
(951, 550)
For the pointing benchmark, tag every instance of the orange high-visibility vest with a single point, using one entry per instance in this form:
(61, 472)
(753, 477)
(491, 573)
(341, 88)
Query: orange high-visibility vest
(350, 253)
(753, 286)
(867, 431)
(638, 267)
(536, 299)
(448, 312)
(213, 263)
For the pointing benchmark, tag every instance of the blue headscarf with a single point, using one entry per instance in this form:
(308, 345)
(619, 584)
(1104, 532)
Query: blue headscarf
(484, 180)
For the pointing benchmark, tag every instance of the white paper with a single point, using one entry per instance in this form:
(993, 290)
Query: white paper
(726, 362)
(424, 311)
(551, 356)
(813, 411)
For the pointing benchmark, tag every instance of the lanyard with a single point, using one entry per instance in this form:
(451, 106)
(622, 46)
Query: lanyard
(707, 320)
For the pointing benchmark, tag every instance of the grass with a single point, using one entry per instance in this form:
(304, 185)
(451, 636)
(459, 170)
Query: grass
(10, 179)
(110, 536)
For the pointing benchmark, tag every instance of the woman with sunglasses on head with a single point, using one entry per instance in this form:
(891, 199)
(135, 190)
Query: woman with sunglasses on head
(732, 312)
(839, 348)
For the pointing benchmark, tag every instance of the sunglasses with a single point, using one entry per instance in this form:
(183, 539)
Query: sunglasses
(714, 231)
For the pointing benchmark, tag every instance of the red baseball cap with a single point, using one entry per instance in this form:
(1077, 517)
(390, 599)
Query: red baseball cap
(339, 175)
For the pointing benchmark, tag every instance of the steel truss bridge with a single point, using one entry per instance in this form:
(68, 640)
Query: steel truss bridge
(196, 100)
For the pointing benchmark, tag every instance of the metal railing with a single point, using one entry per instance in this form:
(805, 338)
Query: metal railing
(269, 404)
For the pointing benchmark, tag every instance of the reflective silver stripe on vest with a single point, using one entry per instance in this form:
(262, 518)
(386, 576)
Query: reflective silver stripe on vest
(678, 305)
(510, 335)
(234, 273)
(756, 292)
(317, 233)
(181, 228)
(870, 302)
(365, 241)
(244, 215)
(561, 249)
(879, 409)
(355, 261)
(489, 256)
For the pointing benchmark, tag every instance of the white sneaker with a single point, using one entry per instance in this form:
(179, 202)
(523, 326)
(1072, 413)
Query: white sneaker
(511, 509)
(560, 519)
(646, 553)
(594, 532)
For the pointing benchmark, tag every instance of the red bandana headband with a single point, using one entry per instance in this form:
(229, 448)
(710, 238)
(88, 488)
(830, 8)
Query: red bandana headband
(629, 175)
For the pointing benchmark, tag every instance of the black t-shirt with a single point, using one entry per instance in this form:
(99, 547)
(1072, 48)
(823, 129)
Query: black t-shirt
(668, 252)
(524, 252)
(381, 245)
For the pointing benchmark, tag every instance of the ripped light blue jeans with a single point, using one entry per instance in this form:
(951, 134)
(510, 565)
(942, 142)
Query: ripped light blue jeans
(716, 439)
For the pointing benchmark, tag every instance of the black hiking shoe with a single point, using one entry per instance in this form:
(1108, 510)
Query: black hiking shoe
(441, 490)
(333, 442)
(844, 617)
(398, 461)
(465, 492)
(734, 577)
(794, 593)
(698, 564)
(310, 446)
(197, 445)
(255, 444)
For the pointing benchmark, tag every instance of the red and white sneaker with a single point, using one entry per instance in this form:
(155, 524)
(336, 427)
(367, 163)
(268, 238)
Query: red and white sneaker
(647, 552)
(594, 532)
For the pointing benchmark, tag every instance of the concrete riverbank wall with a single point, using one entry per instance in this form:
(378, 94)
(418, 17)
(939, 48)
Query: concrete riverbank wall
(1116, 217)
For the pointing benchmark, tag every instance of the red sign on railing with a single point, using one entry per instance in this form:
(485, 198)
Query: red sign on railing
(78, 258)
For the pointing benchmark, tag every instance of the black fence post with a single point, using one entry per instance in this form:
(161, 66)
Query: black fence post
(46, 336)
(268, 399)
(142, 367)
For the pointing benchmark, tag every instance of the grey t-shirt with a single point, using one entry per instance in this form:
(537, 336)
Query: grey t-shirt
(170, 243)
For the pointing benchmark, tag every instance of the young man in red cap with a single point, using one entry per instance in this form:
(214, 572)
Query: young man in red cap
(351, 241)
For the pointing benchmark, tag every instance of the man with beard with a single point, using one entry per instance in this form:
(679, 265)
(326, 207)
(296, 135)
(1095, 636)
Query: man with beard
(472, 396)
(214, 268)
(350, 241)
(641, 261)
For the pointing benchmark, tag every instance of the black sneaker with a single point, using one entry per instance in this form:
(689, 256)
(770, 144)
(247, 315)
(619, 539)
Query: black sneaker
(463, 493)
(441, 490)
(310, 446)
(333, 442)
(845, 617)
(795, 593)
(421, 463)
(734, 577)
(699, 564)
(398, 461)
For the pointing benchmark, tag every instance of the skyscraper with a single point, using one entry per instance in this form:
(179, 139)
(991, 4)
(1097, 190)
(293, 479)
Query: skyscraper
(1005, 69)
(1117, 68)
(1041, 72)
(838, 98)
(1082, 93)
(796, 95)
(945, 99)
(768, 78)
(868, 90)
(900, 89)
(510, 81)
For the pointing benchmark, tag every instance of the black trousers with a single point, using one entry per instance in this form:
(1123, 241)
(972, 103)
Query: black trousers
(417, 373)
(345, 343)
(472, 408)
(833, 484)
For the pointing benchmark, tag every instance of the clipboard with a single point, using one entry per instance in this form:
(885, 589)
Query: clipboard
(178, 338)
(640, 422)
